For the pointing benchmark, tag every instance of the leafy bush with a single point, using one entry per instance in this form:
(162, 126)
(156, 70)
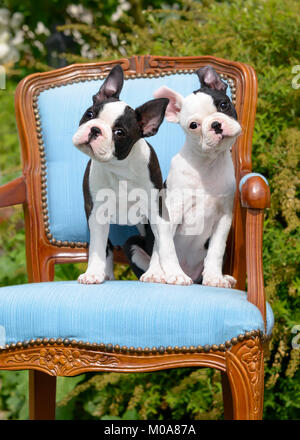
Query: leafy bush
(184, 393)
(265, 34)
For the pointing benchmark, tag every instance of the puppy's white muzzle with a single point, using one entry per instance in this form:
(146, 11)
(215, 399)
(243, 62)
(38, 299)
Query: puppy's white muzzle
(95, 138)
(219, 130)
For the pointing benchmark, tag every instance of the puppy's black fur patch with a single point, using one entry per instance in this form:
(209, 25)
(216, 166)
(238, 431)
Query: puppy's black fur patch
(154, 169)
(221, 101)
(109, 247)
(128, 251)
(88, 201)
(126, 132)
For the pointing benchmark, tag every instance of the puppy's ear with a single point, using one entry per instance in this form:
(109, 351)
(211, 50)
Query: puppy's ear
(112, 86)
(175, 102)
(209, 78)
(150, 115)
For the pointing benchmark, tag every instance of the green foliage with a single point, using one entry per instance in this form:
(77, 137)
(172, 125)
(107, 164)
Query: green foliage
(10, 160)
(51, 12)
(12, 250)
(186, 393)
(14, 395)
(266, 35)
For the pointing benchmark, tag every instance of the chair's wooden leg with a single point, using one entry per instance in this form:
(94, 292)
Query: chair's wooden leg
(227, 397)
(42, 392)
(245, 372)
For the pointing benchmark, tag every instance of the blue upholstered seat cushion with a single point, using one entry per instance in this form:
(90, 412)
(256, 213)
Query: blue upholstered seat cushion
(127, 313)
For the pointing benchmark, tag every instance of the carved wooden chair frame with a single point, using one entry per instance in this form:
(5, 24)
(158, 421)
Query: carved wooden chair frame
(240, 360)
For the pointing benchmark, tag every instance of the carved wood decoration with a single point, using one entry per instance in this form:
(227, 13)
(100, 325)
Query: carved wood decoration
(241, 359)
(62, 361)
(241, 365)
(245, 370)
(59, 360)
(53, 354)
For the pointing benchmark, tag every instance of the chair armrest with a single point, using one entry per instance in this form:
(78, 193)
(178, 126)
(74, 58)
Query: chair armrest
(255, 197)
(13, 193)
(254, 191)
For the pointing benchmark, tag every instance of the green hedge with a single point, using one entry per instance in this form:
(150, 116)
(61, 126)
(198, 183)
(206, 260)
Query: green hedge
(266, 35)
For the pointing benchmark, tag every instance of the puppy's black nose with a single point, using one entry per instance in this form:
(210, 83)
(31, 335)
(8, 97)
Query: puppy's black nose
(95, 131)
(217, 126)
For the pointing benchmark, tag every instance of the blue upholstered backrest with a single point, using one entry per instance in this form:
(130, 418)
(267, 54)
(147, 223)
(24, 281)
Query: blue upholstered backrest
(60, 110)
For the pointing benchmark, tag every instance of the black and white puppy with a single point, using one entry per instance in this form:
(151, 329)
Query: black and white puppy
(203, 168)
(112, 133)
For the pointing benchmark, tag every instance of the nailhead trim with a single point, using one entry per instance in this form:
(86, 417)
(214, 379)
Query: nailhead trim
(110, 348)
(43, 173)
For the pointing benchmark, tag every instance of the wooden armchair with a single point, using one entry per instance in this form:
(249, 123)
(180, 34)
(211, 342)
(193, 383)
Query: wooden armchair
(64, 329)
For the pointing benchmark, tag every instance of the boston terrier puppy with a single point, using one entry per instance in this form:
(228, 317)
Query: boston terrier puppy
(204, 169)
(112, 134)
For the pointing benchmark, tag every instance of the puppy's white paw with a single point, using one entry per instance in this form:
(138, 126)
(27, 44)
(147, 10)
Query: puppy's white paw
(152, 276)
(225, 281)
(91, 278)
(231, 280)
(179, 278)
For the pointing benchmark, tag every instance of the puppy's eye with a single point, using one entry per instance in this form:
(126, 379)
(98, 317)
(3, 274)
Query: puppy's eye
(194, 125)
(89, 114)
(119, 132)
(224, 105)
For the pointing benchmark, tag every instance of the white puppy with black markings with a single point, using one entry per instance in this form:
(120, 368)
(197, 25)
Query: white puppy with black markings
(203, 166)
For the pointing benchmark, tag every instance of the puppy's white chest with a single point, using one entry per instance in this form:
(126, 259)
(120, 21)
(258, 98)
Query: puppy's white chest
(207, 192)
(120, 191)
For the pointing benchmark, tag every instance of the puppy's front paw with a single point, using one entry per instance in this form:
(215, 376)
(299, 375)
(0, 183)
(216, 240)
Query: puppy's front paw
(91, 278)
(231, 280)
(225, 281)
(153, 276)
(179, 278)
